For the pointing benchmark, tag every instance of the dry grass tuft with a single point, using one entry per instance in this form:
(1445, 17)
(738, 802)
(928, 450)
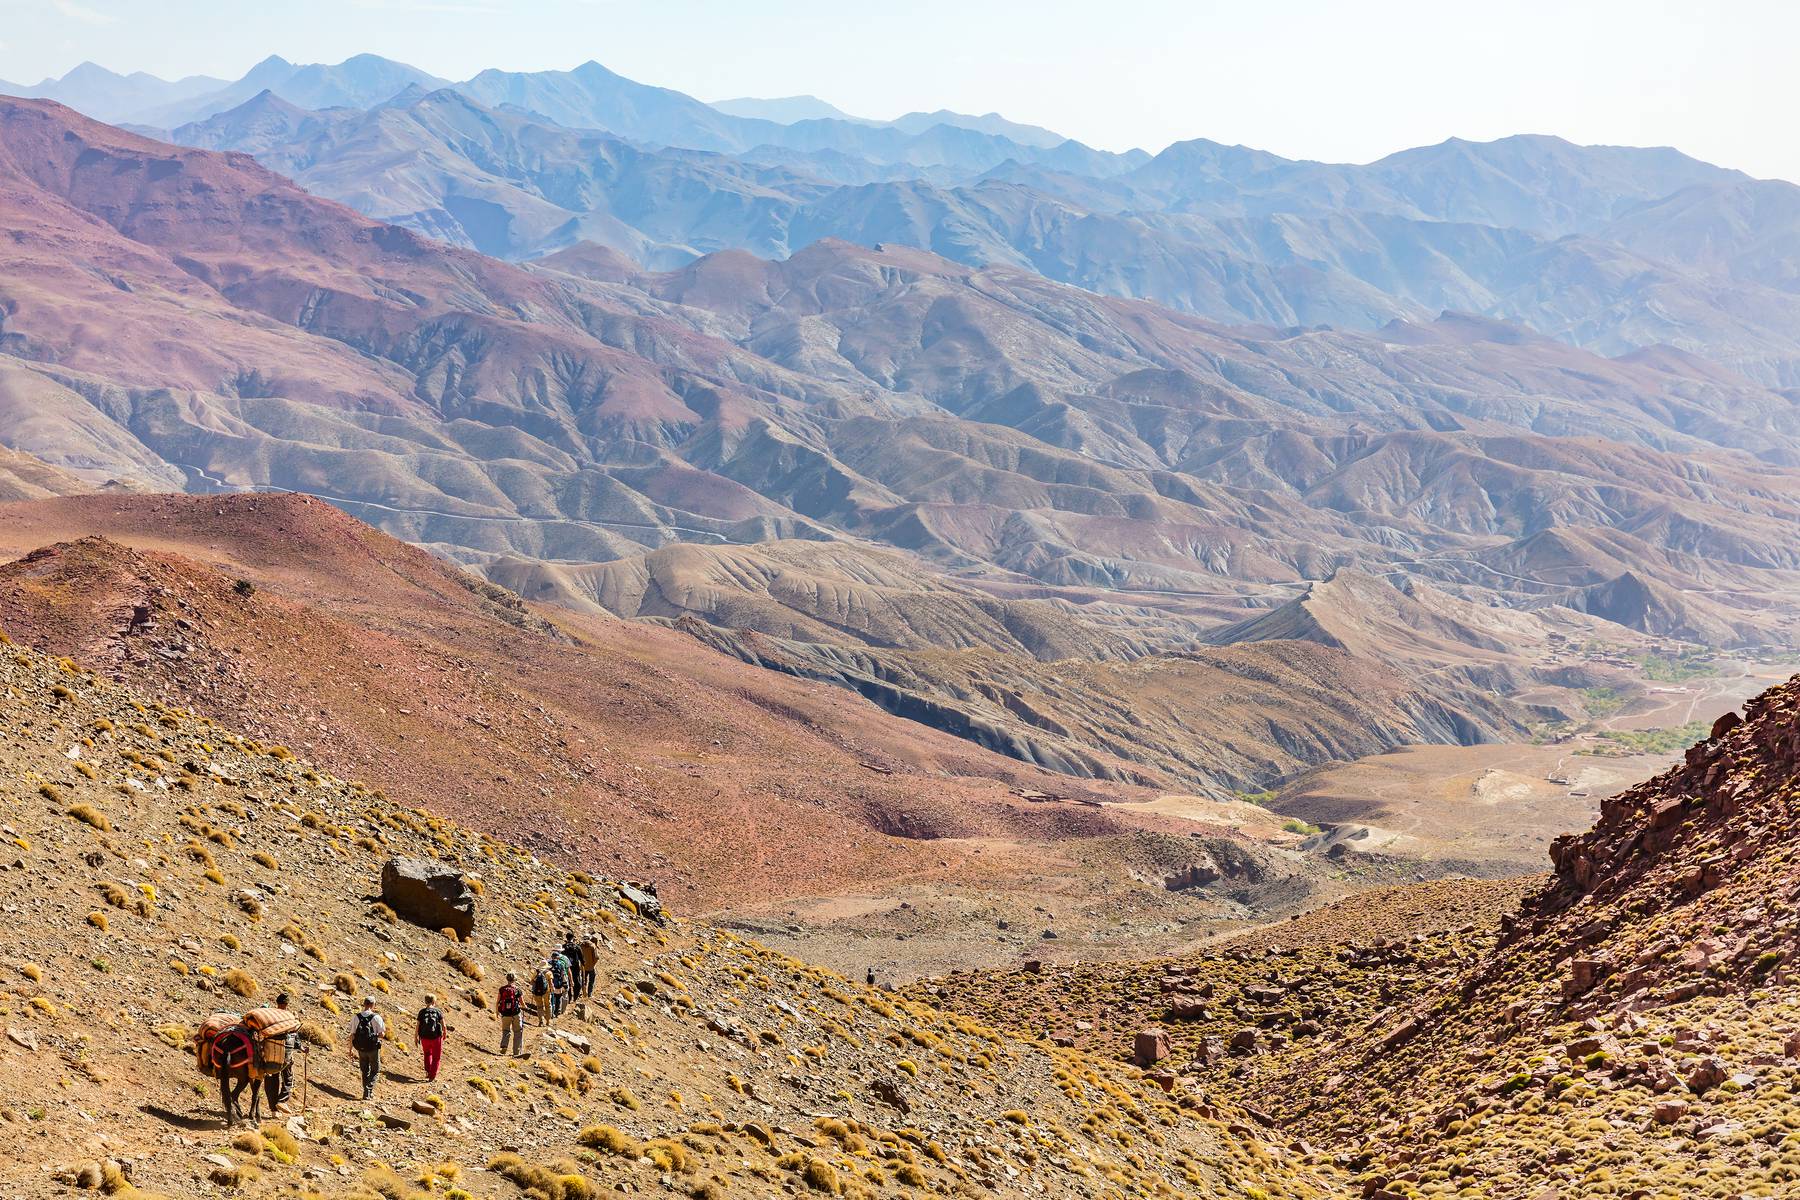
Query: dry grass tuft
(610, 1139)
(87, 814)
(465, 964)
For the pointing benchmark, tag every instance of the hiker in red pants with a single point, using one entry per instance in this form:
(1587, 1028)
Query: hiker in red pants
(431, 1036)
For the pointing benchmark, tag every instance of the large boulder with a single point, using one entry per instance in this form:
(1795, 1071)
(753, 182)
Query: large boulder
(644, 903)
(428, 893)
(1150, 1047)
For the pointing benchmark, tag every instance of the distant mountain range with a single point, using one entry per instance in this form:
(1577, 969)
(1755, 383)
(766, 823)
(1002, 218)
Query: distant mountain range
(791, 110)
(785, 110)
(587, 97)
(108, 96)
(973, 416)
(1609, 248)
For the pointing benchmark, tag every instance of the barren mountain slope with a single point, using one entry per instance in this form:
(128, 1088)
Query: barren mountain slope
(160, 867)
(840, 592)
(1632, 1031)
(1640, 1010)
(1448, 647)
(1214, 722)
(1041, 443)
(1097, 689)
(1335, 966)
(26, 477)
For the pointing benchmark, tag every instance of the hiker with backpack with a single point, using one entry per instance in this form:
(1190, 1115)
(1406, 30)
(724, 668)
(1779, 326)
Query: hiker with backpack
(559, 983)
(569, 954)
(590, 964)
(540, 993)
(572, 952)
(512, 1021)
(366, 1031)
(431, 1037)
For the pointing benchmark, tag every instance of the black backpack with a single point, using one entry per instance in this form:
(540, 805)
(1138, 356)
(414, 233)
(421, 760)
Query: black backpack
(508, 1005)
(540, 984)
(364, 1036)
(431, 1023)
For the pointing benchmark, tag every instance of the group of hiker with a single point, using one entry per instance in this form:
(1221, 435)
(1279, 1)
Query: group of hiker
(567, 975)
(271, 1039)
(570, 970)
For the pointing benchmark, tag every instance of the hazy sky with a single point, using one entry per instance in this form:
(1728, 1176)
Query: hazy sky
(1337, 81)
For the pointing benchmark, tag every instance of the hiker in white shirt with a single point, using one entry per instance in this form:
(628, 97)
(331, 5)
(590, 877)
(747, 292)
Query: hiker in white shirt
(366, 1031)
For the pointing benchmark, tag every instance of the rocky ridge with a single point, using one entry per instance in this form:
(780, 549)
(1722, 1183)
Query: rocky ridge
(1632, 1029)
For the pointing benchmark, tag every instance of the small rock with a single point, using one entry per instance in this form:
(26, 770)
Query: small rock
(1707, 1073)
(890, 1093)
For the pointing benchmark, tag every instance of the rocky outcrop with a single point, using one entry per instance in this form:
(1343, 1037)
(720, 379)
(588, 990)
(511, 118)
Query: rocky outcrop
(428, 893)
(1680, 888)
(1194, 875)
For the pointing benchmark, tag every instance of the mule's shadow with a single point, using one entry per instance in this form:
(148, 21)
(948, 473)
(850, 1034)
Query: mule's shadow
(169, 1116)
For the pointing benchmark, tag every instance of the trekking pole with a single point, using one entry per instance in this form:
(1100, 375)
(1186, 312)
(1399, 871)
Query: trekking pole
(305, 1075)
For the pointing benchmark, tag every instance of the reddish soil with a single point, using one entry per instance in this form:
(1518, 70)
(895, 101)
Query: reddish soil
(625, 746)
